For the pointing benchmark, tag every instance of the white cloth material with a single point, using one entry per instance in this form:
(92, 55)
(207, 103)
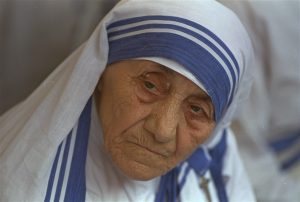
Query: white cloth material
(273, 110)
(31, 132)
(215, 18)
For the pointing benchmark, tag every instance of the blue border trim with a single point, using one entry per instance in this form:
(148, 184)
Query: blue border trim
(63, 168)
(217, 154)
(168, 189)
(52, 175)
(76, 186)
(289, 163)
(181, 20)
(285, 143)
(189, 32)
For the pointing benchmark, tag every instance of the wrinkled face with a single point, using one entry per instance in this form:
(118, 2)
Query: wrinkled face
(152, 117)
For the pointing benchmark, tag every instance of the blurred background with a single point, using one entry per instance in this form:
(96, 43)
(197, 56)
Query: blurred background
(36, 36)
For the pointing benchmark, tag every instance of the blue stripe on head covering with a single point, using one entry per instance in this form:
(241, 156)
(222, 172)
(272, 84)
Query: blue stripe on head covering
(184, 30)
(171, 22)
(132, 23)
(183, 41)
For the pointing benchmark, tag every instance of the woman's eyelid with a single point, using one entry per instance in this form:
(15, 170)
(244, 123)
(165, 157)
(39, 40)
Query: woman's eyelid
(198, 102)
(158, 80)
(149, 85)
(199, 111)
(199, 108)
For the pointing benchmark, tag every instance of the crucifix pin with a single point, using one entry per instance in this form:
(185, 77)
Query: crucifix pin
(204, 186)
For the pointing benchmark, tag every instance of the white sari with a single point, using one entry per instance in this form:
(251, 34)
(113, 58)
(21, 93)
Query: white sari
(35, 135)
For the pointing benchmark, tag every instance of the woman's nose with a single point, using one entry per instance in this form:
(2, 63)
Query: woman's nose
(163, 120)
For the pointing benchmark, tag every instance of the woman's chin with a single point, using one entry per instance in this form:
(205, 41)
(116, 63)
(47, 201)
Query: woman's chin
(138, 171)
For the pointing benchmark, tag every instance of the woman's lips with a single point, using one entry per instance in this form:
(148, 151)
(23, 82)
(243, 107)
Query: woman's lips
(160, 153)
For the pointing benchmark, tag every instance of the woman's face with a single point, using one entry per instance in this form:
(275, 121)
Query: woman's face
(152, 117)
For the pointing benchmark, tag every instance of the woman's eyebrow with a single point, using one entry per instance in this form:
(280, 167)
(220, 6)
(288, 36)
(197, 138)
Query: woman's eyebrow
(165, 69)
(202, 95)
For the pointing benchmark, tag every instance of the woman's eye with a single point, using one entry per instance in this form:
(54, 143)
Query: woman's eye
(152, 86)
(149, 85)
(196, 109)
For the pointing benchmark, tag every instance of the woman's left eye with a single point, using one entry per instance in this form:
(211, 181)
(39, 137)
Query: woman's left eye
(152, 86)
(149, 85)
(196, 109)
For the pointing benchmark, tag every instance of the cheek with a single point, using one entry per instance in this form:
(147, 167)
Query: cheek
(189, 140)
(121, 111)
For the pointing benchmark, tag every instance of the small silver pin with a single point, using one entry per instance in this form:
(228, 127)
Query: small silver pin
(204, 186)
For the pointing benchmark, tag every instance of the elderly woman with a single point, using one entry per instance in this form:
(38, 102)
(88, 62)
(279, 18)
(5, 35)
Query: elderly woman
(140, 112)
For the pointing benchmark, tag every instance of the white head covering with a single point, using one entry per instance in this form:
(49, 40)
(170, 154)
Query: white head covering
(208, 45)
(31, 132)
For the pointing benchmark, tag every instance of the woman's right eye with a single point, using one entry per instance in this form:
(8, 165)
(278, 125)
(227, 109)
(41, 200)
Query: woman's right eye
(149, 85)
(152, 86)
(196, 109)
